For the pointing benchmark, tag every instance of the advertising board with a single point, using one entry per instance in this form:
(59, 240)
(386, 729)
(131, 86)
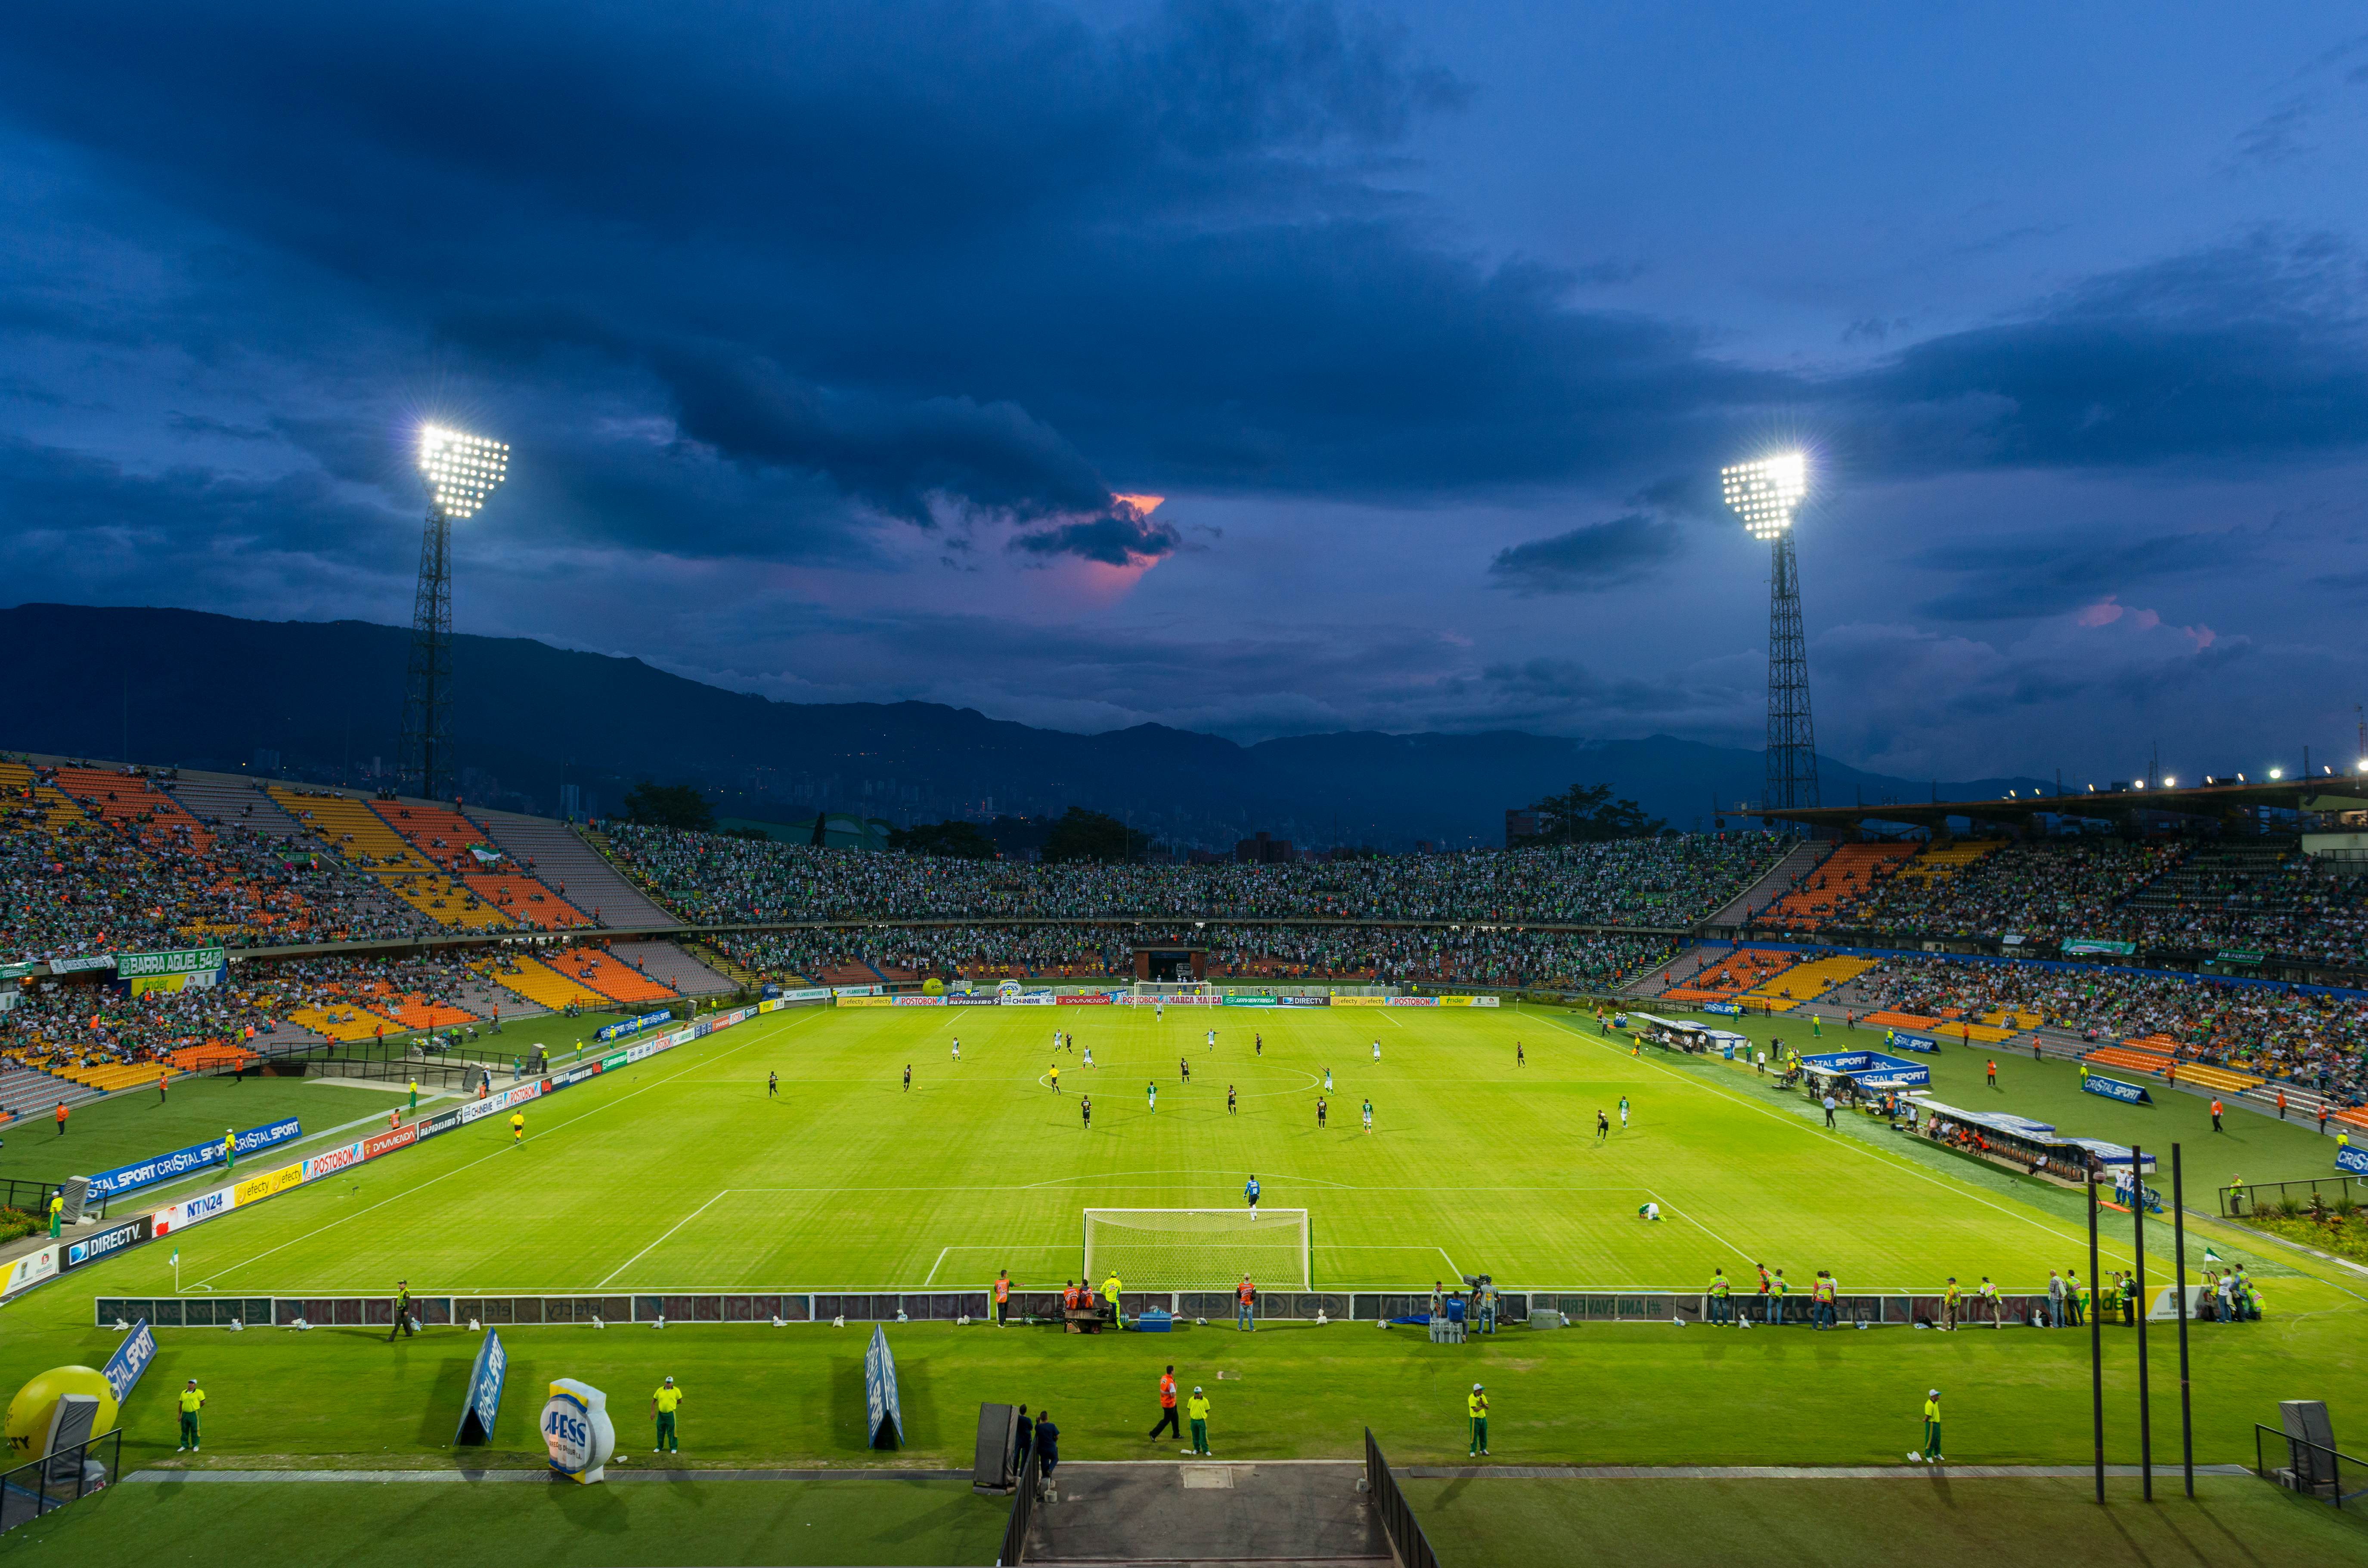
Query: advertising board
(2114, 1089)
(180, 1162)
(103, 1242)
(1085, 999)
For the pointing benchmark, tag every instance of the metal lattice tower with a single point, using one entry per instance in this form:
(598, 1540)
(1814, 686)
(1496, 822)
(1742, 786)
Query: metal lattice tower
(428, 682)
(1766, 494)
(461, 470)
(1791, 739)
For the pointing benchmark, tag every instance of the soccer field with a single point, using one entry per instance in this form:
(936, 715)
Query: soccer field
(682, 1174)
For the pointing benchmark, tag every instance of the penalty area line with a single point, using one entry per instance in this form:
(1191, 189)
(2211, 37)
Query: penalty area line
(670, 1230)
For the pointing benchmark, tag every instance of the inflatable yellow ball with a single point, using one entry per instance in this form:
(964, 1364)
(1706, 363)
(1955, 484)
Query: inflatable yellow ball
(36, 1405)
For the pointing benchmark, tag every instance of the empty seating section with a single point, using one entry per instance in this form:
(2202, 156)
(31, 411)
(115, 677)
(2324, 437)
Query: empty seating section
(539, 983)
(700, 971)
(226, 803)
(114, 1076)
(203, 1058)
(1848, 874)
(525, 900)
(146, 813)
(345, 1023)
(603, 972)
(351, 829)
(1946, 859)
(1891, 1020)
(1732, 975)
(557, 857)
(1807, 981)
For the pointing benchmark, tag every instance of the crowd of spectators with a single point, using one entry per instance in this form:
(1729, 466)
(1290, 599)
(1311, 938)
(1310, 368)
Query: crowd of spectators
(74, 882)
(1376, 954)
(69, 1026)
(2316, 1039)
(1676, 880)
(2049, 890)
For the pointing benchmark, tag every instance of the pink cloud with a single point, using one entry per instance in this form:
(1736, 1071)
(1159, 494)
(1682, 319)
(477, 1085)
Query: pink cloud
(2104, 612)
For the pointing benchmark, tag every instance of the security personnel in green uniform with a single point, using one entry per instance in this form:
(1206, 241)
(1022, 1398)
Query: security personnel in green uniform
(662, 1404)
(402, 1311)
(1197, 1408)
(193, 1399)
(1718, 1289)
(1475, 1406)
(57, 1214)
(1931, 1450)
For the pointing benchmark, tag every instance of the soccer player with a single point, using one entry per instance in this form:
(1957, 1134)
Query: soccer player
(1197, 1407)
(1377, 1050)
(1369, 1113)
(1319, 1113)
(1603, 1125)
(1258, 1045)
(1250, 1195)
(773, 1080)
(1519, 1060)
(908, 1078)
(1475, 1406)
(517, 1128)
(1089, 1056)
(193, 1399)
(1623, 1113)
(1212, 1040)
(1648, 1212)
(662, 1404)
(1085, 1110)
(1183, 1070)
(1229, 1099)
(1151, 1094)
(1055, 1076)
(1158, 1009)
(1327, 1080)
(958, 1047)
(1931, 1452)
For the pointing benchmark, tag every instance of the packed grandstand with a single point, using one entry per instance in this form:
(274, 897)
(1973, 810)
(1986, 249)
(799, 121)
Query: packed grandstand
(344, 918)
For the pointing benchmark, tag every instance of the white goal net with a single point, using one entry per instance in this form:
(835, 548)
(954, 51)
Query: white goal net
(1198, 1249)
(1172, 990)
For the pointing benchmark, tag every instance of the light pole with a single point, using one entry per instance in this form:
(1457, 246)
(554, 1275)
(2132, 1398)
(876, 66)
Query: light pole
(1766, 494)
(461, 470)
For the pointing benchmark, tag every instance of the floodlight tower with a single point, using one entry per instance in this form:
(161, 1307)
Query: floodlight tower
(460, 471)
(1766, 494)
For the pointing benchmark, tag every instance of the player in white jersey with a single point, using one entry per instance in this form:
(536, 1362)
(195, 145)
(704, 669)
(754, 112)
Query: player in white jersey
(1377, 1050)
(958, 1047)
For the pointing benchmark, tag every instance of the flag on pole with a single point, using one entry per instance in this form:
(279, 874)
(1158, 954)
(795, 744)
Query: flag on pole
(2209, 1256)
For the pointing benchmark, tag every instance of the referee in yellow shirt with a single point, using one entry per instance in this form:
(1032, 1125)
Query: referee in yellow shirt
(663, 1405)
(1476, 1404)
(517, 1128)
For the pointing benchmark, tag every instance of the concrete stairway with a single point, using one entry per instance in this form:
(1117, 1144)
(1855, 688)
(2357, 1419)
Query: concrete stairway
(1804, 858)
(564, 863)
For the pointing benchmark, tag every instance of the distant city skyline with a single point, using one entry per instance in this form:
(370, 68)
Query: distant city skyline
(1254, 369)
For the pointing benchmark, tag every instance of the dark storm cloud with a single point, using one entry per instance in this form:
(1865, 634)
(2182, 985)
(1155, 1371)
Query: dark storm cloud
(1584, 560)
(1115, 538)
(2240, 354)
(2005, 579)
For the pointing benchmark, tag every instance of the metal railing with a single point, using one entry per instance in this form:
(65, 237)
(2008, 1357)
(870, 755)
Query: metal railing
(1023, 1509)
(2271, 1197)
(2312, 1468)
(67, 1476)
(1407, 1536)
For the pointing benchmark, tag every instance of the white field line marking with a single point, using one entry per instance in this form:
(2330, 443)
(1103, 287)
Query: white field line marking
(1671, 1207)
(670, 1230)
(1880, 1158)
(473, 1164)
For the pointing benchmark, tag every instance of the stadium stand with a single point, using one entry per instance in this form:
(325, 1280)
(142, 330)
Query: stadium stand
(1807, 981)
(350, 828)
(598, 970)
(526, 900)
(1797, 862)
(1670, 882)
(137, 808)
(1730, 975)
(2041, 891)
(544, 985)
(692, 968)
(224, 802)
(573, 867)
(1846, 877)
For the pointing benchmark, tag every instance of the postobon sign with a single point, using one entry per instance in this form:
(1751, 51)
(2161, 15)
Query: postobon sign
(575, 1430)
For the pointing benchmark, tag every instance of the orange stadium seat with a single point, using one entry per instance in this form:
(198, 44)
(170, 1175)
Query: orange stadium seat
(1846, 876)
(610, 976)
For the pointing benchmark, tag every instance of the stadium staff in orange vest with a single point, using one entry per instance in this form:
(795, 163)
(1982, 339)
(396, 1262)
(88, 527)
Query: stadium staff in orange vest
(1247, 1293)
(1167, 1422)
(2216, 1109)
(62, 1119)
(1002, 1295)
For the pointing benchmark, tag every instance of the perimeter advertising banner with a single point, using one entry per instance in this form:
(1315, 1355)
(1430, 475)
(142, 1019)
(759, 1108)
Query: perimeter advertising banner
(1923, 1042)
(1411, 1001)
(1726, 1009)
(2351, 1158)
(1358, 1001)
(181, 1162)
(190, 1210)
(1085, 999)
(484, 1393)
(130, 1358)
(191, 960)
(2114, 1089)
(1244, 1001)
(103, 1244)
(847, 1001)
(270, 1184)
(1304, 1001)
(34, 1268)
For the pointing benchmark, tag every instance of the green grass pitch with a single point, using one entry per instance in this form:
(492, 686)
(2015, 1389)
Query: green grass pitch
(680, 1173)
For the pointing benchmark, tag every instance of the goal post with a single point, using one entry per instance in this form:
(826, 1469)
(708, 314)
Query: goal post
(1198, 1249)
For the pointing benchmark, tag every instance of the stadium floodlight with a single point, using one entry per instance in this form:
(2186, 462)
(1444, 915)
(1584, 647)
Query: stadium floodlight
(461, 469)
(1767, 491)
(2170, 783)
(2277, 773)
